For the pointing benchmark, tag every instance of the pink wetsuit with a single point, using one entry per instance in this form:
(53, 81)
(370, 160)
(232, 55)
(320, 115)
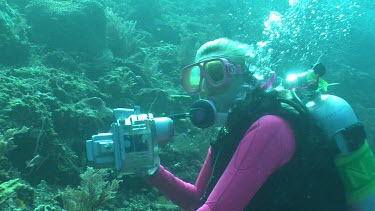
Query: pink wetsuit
(267, 145)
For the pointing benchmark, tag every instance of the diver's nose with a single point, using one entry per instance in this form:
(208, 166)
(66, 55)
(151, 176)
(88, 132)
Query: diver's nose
(204, 89)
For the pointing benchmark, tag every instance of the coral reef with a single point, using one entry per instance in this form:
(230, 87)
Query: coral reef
(14, 45)
(15, 194)
(94, 193)
(69, 25)
(6, 140)
(123, 39)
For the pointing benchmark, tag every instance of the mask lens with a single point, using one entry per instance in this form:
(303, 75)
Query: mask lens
(215, 70)
(191, 78)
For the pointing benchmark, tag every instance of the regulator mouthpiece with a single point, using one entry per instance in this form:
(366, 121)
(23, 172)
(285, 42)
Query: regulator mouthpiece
(203, 114)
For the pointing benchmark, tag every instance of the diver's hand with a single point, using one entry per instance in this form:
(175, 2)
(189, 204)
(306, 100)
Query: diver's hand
(145, 171)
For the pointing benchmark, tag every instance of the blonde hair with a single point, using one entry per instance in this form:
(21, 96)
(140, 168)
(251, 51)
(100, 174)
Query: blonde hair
(232, 50)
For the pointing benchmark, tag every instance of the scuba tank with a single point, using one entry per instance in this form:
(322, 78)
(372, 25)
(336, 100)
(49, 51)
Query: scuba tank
(339, 125)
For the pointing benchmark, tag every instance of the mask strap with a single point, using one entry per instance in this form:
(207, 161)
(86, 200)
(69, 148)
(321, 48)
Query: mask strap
(269, 82)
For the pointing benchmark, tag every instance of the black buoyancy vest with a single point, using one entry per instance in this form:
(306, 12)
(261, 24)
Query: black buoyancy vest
(308, 182)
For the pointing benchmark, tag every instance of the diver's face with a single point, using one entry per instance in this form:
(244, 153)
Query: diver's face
(223, 93)
(223, 97)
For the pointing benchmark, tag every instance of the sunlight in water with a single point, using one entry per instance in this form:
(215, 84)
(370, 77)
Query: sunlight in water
(291, 2)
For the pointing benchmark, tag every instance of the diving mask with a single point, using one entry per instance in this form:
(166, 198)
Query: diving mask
(215, 72)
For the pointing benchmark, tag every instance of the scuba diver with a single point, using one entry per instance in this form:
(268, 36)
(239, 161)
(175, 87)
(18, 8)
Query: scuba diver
(281, 146)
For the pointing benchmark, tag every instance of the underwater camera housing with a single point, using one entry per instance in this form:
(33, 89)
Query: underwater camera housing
(132, 145)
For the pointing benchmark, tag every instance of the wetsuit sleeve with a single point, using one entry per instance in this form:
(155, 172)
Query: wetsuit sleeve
(266, 146)
(183, 194)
